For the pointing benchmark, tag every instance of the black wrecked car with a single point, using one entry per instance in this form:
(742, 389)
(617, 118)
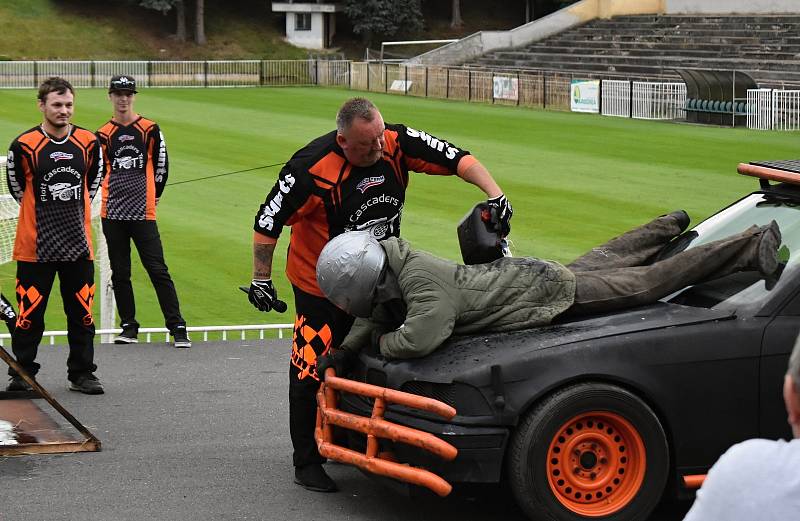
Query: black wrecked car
(603, 416)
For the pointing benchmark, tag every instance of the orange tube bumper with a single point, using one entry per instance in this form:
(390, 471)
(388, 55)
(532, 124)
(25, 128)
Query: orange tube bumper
(376, 427)
(772, 174)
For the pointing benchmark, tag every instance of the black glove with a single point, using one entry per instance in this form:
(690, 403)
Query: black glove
(501, 213)
(263, 296)
(7, 314)
(340, 360)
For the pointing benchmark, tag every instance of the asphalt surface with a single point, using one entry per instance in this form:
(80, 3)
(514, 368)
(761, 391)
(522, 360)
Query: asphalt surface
(202, 434)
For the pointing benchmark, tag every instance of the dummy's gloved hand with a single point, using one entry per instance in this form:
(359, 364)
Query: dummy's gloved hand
(375, 338)
(339, 359)
(7, 314)
(501, 213)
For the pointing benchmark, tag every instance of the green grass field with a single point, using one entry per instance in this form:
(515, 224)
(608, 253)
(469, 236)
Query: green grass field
(574, 180)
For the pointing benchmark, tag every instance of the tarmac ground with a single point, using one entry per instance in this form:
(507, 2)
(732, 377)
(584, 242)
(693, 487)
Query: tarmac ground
(202, 434)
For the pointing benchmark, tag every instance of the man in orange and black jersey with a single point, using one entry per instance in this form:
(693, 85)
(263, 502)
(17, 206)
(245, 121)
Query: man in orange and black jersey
(54, 171)
(137, 172)
(353, 178)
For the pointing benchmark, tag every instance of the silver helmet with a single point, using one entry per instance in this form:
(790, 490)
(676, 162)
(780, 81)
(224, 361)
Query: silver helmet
(348, 270)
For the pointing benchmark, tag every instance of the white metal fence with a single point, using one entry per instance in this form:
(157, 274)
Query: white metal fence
(658, 100)
(643, 100)
(197, 333)
(759, 109)
(769, 109)
(616, 98)
(220, 73)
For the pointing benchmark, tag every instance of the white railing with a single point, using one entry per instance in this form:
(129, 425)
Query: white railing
(786, 110)
(150, 332)
(759, 109)
(103, 71)
(218, 73)
(643, 100)
(616, 98)
(658, 100)
(769, 109)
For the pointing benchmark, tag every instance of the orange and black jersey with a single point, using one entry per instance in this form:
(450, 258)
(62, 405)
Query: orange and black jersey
(137, 169)
(54, 183)
(320, 195)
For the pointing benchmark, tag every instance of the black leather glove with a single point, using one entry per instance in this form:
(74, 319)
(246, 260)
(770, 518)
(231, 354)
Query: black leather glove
(340, 360)
(501, 213)
(263, 296)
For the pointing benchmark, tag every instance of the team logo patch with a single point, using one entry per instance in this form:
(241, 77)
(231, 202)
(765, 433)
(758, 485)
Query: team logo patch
(58, 156)
(369, 182)
(65, 191)
(125, 137)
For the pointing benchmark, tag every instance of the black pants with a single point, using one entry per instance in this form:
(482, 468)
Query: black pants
(148, 243)
(34, 282)
(318, 326)
(621, 273)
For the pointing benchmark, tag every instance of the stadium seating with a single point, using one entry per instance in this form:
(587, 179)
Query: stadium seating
(721, 107)
(650, 46)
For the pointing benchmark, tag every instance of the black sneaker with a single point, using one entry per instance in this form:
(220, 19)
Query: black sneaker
(180, 338)
(17, 384)
(128, 335)
(88, 384)
(313, 477)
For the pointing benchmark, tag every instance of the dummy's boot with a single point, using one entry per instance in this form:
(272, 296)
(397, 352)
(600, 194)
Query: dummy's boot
(636, 247)
(767, 254)
(755, 249)
(313, 477)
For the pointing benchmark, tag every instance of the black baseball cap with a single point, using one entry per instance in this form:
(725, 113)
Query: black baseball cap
(122, 82)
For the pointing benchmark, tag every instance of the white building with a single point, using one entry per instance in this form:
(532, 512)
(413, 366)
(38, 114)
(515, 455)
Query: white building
(308, 24)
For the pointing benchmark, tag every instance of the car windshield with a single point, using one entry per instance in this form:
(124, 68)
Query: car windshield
(744, 289)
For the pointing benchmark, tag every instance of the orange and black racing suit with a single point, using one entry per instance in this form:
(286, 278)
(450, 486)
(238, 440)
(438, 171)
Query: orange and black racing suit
(138, 166)
(54, 183)
(320, 195)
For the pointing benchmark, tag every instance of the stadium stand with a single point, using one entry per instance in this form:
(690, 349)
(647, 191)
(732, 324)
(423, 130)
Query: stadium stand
(767, 47)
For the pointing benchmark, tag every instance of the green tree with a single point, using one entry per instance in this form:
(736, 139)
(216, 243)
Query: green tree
(455, 15)
(383, 17)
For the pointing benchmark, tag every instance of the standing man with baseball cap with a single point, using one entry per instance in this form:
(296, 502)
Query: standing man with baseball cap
(54, 171)
(138, 166)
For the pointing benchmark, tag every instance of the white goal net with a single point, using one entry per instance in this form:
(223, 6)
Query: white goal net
(9, 213)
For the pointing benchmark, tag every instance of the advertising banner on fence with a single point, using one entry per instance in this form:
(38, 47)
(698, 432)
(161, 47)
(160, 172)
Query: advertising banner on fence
(505, 87)
(584, 96)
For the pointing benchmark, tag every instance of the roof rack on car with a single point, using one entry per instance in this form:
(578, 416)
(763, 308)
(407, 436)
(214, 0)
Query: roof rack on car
(766, 171)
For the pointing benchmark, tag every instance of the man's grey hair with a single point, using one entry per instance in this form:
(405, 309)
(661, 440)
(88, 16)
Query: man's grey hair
(794, 365)
(352, 109)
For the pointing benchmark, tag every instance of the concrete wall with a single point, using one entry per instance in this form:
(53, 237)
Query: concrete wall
(732, 6)
(579, 13)
(313, 39)
(582, 12)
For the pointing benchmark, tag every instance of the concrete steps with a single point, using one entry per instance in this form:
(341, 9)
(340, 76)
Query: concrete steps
(767, 47)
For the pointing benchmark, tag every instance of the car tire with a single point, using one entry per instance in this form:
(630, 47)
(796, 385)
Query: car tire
(590, 450)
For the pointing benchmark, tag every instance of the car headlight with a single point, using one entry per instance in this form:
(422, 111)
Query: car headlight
(467, 400)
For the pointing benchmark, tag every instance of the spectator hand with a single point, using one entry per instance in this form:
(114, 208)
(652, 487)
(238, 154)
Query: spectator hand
(501, 213)
(340, 360)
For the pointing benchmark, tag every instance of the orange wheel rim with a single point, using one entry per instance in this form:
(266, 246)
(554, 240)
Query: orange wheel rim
(596, 464)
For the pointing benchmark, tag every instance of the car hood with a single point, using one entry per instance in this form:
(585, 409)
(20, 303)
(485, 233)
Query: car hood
(460, 356)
